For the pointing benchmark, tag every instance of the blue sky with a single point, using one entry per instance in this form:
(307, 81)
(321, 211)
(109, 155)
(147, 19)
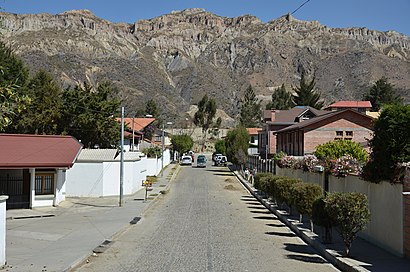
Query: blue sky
(374, 14)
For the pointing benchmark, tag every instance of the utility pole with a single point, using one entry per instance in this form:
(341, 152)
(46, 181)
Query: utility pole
(122, 157)
(162, 156)
(133, 136)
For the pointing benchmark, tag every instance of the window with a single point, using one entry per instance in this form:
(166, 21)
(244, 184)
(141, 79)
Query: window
(339, 133)
(252, 139)
(44, 184)
(349, 133)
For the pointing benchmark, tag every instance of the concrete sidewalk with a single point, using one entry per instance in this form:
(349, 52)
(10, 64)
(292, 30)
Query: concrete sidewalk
(364, 255)
(59, 238)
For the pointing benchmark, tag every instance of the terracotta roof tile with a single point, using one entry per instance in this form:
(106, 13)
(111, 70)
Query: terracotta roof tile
(253, 131)
(37, 151)
(139, 123)
(351, 104)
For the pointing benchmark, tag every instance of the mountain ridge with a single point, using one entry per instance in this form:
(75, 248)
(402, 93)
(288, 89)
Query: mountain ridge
(176, 58)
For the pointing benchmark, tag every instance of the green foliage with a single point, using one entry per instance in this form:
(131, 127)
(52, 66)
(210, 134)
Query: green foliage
(220, 147)
(257, 180)
(337, 149)
(305, 94)
(281, 99)
(206, 113)
(153, 152)
(382, 93)
(182, 143)
(250, 109)
(89, 115)
(237, 142)
(151, 108)
(13, 72)
(283, 189)
(319, 214)
(390, 144)
(11, 104)
(13, 78)
(350, 214)
(304, 194)
(44, 112)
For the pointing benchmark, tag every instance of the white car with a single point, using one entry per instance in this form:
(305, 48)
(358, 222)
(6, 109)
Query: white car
(186, 160)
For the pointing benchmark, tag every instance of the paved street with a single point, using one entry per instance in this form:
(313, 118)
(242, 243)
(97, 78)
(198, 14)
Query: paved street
(207, 222)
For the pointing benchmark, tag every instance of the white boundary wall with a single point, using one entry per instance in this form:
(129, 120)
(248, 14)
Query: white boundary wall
(97, 179)
(385, 228)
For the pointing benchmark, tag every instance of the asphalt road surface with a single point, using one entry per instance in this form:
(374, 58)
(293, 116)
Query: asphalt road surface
(207, 222)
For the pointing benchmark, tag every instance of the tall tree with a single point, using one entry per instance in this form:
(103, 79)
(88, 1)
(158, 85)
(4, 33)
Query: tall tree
(43, 114)
(13, 78)
(151, 108)
(305, 93)
(14, 72)
(250, 109)
(382, 93)
(206, 113)
(90, 115)
(281, 99)
(237, 143)
(390, 144)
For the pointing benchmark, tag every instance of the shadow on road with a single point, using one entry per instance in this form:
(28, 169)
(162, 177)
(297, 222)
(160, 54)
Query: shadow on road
(283, 234)
(261, 212)
(276, 225)
(265, 218)
(307, 259)
(257, 207)
(302, 253)
(219, 171)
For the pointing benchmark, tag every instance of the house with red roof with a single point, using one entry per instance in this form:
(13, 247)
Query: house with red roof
(134, 132)
(278, 119)
(33, 168)
(360, 106)
(302, 138)
(253, 140)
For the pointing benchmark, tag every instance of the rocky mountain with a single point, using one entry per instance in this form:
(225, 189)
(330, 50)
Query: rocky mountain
(176, 58)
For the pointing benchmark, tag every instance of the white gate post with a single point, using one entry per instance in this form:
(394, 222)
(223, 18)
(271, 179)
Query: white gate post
(3, 199)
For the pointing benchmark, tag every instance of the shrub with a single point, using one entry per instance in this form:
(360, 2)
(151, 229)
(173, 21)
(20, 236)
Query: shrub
(346, 165)
(283, 189)
(287, 162)
(264, 182)
(153, 152)
(270, 184)
(303, 196)
(309, 162)
(337, 149)
(350, 214)
(390, 144)
(322, 218)
(257, 181)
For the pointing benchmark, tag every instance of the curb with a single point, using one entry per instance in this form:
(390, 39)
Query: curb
(336, 261)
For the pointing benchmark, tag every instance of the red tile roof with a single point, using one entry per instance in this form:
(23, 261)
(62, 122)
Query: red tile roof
(253, 131)
(351, 104)
(139, 123)
(37, 151)
(322, 117)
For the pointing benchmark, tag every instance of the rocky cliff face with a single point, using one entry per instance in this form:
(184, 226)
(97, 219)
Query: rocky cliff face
(178, 57)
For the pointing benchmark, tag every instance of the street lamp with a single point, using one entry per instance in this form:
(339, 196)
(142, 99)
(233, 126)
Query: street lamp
(163, 143)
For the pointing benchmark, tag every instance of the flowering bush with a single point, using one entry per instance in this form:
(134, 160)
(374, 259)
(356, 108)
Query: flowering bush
(346, 165)
(287, 162)
(309, 162)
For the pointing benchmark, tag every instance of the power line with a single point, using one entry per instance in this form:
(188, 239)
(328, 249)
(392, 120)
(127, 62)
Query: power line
(300, 6)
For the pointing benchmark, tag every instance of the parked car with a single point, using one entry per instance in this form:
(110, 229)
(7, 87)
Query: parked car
(186, 160)
(201, 161)
(221, 160)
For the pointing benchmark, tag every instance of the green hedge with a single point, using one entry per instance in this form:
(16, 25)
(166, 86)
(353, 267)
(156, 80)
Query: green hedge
(304, 195)
(283, 189)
